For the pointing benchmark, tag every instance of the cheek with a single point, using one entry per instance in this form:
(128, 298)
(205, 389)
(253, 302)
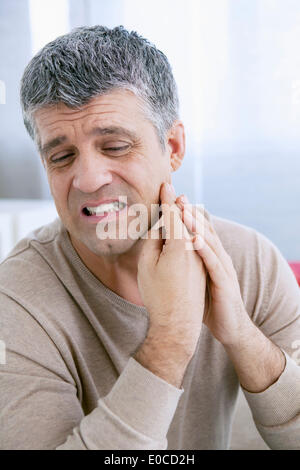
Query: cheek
(145, 177)
(150, 168)
(59, 189)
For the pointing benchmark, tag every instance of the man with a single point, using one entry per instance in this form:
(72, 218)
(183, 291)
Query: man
(124, 341)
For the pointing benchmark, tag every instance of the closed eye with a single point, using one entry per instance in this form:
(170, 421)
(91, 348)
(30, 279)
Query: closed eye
(107, 149)
(60, 159)
(117, 149)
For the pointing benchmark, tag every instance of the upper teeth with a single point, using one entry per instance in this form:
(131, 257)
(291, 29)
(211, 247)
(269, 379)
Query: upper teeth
(110, 207)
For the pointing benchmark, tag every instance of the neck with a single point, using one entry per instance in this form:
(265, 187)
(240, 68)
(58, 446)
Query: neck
(117, 272)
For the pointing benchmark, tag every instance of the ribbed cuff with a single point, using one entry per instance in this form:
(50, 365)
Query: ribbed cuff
(280, 402)
(143, 400)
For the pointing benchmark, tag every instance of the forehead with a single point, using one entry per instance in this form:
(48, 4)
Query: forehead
(116, 108)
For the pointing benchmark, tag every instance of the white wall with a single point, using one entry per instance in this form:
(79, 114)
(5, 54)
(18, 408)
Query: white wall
(20, 217)
(20, 168)
(251, 143)
(238, 70)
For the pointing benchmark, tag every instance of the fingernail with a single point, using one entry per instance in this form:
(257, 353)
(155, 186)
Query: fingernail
(171, 189)
(184, 199)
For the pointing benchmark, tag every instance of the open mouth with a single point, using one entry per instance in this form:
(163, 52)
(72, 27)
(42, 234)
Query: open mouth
(103, 209)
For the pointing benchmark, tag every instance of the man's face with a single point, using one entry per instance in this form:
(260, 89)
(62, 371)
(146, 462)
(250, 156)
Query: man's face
(97, 154)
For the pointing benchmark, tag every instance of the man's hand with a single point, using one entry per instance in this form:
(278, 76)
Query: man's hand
(226, 318)
(257, 360)
(172, 284)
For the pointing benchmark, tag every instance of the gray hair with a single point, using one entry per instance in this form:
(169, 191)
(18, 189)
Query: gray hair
(92, 61)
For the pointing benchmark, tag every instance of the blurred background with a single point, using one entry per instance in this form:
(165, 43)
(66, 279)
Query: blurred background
(237, 65)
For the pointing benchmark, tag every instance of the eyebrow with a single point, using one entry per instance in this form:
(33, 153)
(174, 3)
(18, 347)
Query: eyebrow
(96, 131)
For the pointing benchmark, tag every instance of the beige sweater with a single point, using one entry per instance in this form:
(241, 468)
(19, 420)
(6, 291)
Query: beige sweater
(70, 381)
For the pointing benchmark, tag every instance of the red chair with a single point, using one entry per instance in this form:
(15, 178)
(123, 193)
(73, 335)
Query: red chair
(296, 270)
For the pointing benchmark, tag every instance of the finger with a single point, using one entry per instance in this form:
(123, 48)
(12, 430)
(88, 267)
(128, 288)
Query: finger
(211, 238)
(153, 243)
(192, 216)
(167, 194)
(194, 220)
(173, 225)
(196, 209)
(198, 224)
(214, 266)
(179, 200)
(188, 234)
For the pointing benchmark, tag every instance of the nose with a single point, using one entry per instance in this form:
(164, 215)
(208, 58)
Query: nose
(91, 172)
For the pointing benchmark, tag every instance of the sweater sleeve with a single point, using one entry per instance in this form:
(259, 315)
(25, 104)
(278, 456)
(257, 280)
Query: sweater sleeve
(39, 404)
(129, 417)
(276, 410)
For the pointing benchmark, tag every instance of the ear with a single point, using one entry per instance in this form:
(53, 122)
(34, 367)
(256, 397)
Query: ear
(176, 145)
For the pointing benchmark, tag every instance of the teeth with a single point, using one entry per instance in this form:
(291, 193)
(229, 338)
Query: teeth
(104, 208)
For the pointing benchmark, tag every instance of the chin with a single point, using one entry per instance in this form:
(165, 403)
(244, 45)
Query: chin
(111, 247)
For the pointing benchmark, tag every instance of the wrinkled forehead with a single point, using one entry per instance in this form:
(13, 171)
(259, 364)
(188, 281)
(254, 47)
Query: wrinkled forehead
(113, 109)
(123, 102)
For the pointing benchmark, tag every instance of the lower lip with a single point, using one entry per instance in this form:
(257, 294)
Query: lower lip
(94, 219)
